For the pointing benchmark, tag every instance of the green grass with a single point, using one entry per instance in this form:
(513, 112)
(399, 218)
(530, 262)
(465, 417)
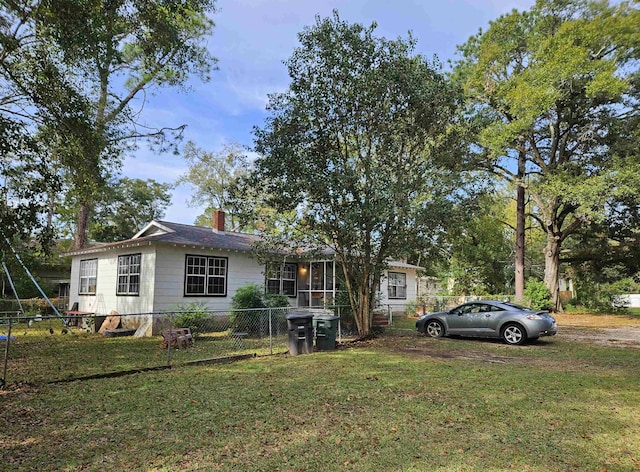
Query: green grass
(39, 357)
(404, 322)
(399, 403)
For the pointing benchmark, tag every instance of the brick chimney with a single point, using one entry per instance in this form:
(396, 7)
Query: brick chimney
(218, 221)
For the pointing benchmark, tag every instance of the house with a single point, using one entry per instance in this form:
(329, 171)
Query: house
(166, 264)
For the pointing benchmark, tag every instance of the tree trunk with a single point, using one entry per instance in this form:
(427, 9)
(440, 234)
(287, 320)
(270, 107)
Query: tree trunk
(363, 319)
(520, 234)
(358, 299)
(80, 238)
(552, 269)
(363, 312)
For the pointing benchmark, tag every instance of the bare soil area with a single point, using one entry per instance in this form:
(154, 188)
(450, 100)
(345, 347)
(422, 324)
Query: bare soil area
(615, 330)
(610, 330)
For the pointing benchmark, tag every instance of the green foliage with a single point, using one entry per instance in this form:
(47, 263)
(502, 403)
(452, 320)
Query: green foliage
(551, 85)
(26, 180)
(537, 293)
(212, 176)
(411, 308)
(248, 296)
(31, 306)
(71, 74)
(276, 300)
(192, 316)
(603, 296)
(44, 264)
(129, 205)
(367, 123)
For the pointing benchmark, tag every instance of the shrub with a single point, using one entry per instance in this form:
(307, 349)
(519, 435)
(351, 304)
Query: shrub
(252, 321)
(537, 294)
(411, 308)
(192, 316)
(603, 297)
(276, 300)
(249, 296)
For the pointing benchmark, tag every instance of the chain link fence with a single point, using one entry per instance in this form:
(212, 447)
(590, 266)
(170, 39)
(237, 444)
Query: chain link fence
(44, 348)
(47, 349)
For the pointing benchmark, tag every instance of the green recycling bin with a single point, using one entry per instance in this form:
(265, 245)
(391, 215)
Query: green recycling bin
(326, 328)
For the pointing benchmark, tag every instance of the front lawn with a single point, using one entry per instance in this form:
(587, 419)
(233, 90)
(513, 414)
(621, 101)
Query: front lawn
(406, 403)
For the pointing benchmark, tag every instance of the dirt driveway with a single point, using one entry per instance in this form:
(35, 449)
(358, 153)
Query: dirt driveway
(612, 330)
(609, 330)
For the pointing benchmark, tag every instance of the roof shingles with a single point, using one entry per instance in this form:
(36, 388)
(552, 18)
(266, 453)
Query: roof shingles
(182, 234)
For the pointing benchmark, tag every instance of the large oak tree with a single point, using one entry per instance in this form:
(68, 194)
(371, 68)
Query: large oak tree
(546, 86)
(352, 146)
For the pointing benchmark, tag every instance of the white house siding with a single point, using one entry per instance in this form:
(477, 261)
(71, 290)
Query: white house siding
(411, 294)
(105, 300)
(170, 276)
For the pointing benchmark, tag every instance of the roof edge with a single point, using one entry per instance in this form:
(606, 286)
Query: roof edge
(153, 223)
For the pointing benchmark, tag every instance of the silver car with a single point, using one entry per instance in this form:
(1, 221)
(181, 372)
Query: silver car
(489, 319)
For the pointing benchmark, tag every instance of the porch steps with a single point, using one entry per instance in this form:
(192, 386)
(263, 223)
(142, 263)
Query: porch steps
(380, 320)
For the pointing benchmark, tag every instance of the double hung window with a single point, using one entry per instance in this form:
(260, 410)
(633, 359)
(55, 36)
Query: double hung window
(397, 285)
(129, 274)
(88, 277)
(206, 276)
(281, 278)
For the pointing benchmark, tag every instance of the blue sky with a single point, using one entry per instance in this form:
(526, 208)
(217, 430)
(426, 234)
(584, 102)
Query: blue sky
(251, 40)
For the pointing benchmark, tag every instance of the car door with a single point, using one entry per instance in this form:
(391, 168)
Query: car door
(464, 319)
(478, 319)
(494, 320)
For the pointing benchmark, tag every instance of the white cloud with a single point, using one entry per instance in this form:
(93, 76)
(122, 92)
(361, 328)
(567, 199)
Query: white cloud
(252, 38)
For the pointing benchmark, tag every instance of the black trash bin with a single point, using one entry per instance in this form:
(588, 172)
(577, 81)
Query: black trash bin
(326, 328)
(300, 326)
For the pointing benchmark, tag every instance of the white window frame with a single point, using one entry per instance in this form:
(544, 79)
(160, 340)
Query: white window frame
(208, 269)
(397, 285)
(129, 269)
(88, 274)
(280, 273)
(319, 285)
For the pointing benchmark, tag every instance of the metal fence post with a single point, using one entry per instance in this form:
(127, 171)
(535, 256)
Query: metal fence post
(270, 332)
(339, 326)
(390, 315)
(6, 356)
(169, 340)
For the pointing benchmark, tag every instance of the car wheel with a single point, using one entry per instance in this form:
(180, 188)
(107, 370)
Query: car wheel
(514, 334)
(434, 329)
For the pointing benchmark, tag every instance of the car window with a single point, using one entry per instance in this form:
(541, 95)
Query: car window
(460, 309)
(517, 307)
(496, 308)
